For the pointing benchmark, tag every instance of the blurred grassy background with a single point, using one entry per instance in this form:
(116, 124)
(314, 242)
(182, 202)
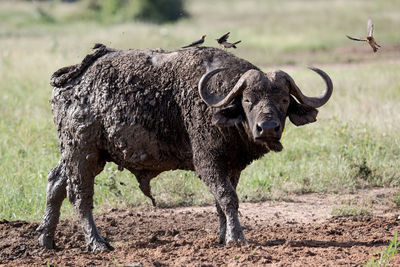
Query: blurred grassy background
(355, 143)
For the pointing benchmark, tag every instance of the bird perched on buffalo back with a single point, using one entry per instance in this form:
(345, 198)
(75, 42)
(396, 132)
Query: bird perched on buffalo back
(370, 39)
(196, 43)
(223, 41)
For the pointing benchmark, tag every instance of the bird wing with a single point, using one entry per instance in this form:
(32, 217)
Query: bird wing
(355, 39)
(370, 28)
(223, 38)
(194, 43)
(197, 42)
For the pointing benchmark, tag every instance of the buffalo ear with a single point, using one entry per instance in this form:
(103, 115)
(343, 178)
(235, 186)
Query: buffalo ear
(300, 114)
(227, 116)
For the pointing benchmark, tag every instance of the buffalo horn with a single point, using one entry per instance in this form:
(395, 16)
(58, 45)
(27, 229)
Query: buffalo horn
(216, 100)
(314, 102)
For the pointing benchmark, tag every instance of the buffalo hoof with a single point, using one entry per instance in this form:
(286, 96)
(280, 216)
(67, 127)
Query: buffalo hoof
(99, 245)
(47, 241)
(235, 239)
(221, 236)
(236, 243)
(221, 240)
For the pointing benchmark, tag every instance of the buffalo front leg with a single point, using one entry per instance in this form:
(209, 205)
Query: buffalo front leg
(227, 204)
(55, 194)
(81, 171)
(234, 178)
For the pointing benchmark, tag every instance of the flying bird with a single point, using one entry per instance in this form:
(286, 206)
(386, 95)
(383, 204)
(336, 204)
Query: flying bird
(196, 43)
(223, 41)
(370, 38)
(223, 38)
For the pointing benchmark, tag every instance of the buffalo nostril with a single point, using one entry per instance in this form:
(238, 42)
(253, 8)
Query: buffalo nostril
(259, 128)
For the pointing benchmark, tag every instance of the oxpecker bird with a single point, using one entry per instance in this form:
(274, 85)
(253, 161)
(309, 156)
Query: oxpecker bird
(370, 39)
(196, 43)
(223, 41)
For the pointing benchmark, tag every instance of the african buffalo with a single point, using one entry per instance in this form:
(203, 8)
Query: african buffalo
(149, 111)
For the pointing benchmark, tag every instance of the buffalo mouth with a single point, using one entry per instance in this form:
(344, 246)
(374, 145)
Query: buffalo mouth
(273, 144)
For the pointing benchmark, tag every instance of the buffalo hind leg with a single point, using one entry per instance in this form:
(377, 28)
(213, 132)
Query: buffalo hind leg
(55, 194)
(222, 224)
(82, 167)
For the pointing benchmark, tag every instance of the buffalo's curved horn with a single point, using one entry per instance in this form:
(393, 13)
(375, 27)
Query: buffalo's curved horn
(314, 102)
(217, 101)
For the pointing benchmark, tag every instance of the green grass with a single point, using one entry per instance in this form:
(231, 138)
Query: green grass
(396, 199)
(354, 144)
(353, 207)
(386, 255)
(346, 211)
(329, 157)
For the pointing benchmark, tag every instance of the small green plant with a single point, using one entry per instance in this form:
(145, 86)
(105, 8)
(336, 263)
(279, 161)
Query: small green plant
(387, 254)
(350, 210)
(396, 199)
(116, 262)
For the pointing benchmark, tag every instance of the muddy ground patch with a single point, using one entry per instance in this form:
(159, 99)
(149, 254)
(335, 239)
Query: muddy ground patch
(298, 232)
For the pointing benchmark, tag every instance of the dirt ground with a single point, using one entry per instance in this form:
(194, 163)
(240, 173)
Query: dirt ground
(293, 233)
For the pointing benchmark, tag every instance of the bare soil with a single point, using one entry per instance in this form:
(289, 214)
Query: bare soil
(299, 232)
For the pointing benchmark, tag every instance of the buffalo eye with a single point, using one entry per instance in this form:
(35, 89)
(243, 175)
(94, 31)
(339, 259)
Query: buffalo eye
(247, 102)
(285, 101)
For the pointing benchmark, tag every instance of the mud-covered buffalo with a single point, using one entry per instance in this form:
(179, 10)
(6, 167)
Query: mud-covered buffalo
(149, 111)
